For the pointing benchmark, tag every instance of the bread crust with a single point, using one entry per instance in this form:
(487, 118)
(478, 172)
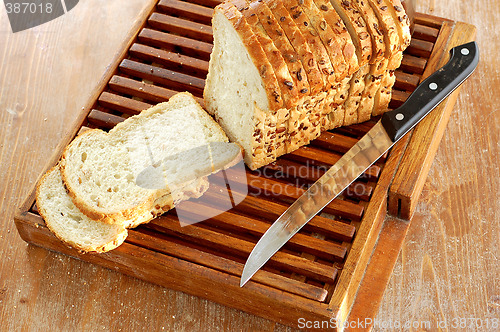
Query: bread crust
(309, 12)
(388, 27)
(374, 27)
(299, 43)
(342, 35)
(289, 91)
(402, 22)
(357, 27)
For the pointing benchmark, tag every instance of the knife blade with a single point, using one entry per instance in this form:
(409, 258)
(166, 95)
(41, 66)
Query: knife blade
(392, 126)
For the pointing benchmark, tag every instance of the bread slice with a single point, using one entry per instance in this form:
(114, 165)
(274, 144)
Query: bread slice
(378, 62)
(237, 51)
(396, 9)
(241, 89)
(387, 26)
(308, 10)
(307, 14)
(70, 225)
(77, 230)
(309, 119)
(101, 170)
(294, 87)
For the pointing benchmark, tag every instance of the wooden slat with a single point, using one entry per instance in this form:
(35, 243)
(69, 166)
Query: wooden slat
(166, 78)
(187, 10)
(283, 260)
(269, 210)
(276, 189)
(139, 89)
(103, 120)
(420, 48)
(167, 246)
(407, 82)
(426, 33)
(334, 142)
(229, 220)
(173, 43)
(181, 27)
(170, 60)
(149, 92)
(398, 98)
(357, 130)
(413, 64)
(431, 20)
(122, 104)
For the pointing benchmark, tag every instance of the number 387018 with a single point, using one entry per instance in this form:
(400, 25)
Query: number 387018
(28, 8)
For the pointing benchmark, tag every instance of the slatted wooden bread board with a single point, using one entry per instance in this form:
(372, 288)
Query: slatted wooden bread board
(317, 274)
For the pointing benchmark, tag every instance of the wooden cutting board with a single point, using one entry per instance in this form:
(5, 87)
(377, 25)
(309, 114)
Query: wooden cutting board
(338, 266)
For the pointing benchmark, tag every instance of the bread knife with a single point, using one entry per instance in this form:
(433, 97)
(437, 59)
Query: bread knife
(384, 134)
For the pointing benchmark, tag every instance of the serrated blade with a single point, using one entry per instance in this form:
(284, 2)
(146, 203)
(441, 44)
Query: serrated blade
(347, 169)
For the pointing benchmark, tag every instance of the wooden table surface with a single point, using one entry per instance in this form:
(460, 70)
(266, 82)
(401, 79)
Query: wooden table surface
(449, 266)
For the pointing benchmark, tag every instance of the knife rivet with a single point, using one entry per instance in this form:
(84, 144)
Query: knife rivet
(465, 51)
(433, 86)
(400, 116)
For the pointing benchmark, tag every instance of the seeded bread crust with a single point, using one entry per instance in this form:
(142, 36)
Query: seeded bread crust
(296, 68)
(357, 28)
(344, 38)
(388, 27)
(324, 62)
(289, 91)
(257, 54)
(298, 117)
(373, 26)
(311, 37)
(299, 43)
(402, 21)
(384, 94)
(355, 94)
(323, 30)
(332, 44)
(290, 55)
(372, 85)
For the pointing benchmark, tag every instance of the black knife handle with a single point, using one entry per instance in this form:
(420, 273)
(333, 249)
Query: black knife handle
(432, 91)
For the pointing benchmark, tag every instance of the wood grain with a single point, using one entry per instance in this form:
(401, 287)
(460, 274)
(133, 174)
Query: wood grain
(449, 265)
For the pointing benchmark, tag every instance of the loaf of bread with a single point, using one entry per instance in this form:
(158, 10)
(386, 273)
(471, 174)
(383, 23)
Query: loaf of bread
(283, 71)
(107, 182)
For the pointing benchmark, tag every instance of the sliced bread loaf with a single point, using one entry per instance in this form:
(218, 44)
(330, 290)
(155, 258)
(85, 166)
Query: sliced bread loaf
(101, 170)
